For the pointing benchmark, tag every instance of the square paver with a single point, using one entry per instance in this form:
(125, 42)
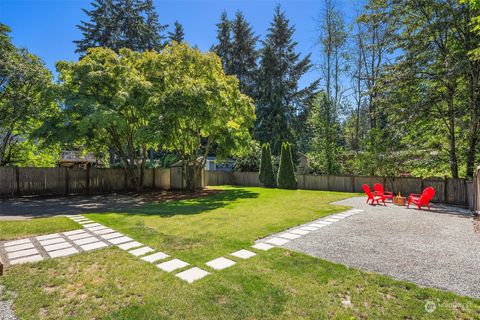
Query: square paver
(93, 246)
(289, 236)
(220, 263)
(57, 246)
(19, 247)
(300, 232)
(79, 236)
(243, 254)
(308, 228)
(172, 265)
(103, 231)
(51, 241)
(63, 252)
(71, 233)
(141, 251)
(111, 235)
(130, 245)
(120, 240)
(155, 257)
(192, 274)
(34, 258)
(48, 236)
(262, 246)
(22, 253)
(277, 241)
(83, 241)
(16, 242)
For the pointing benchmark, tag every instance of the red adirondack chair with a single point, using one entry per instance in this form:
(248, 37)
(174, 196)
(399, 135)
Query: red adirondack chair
(422, 199)
(372, 196)
(378, 190)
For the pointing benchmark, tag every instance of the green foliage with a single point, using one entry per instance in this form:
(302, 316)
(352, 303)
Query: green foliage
(279, 98)
(267, 177)
(286, 173)
(250, 161)
(25, 102)
(177, 35)
(224, 47)
(118, 24)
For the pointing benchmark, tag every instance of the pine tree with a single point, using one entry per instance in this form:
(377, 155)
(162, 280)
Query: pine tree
(244, 54)
(279, 98)
(267, 176)
(286, 175)
(117, 24)
(178, 34)
(224, 47)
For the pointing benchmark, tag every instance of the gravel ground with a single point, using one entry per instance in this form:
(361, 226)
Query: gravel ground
(437, 248)
(6, 311)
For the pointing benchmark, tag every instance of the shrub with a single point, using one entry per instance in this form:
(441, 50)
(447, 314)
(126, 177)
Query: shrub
(286, 175)
(266, 167)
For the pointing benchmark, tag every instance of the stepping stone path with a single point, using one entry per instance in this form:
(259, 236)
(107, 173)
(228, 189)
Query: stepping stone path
(96, 236)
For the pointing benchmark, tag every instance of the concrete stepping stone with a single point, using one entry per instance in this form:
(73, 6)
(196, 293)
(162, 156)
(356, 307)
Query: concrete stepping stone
(120, 240)
(243, 254)
(71, 233)
(57, 246)
(85, 241)
(22, 253)
(332, 220)
(317, 225)
(308, 228)
(220, 263)
(130, 245)
(16, 242)
(104, 231)
(97, 228)
(63, 252)
(172, 265)
(19, 247)
(262, 246)
(90, 225)
(48, 236)
(277, 241)
(289, 236)
(111, 235)
(325, 222)
(192, 275)
(155, 257)
(93, 246)
(51, 241)
(83, 223)
(79, 236)
(79, 219)
(300, 232)
(34, 258)
(141, 251)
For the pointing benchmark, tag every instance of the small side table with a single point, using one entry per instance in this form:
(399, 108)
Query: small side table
(399, 200)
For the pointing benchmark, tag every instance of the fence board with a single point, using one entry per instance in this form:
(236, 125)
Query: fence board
(216, 178)
(7, 181)
(162, 178)
(247, 179)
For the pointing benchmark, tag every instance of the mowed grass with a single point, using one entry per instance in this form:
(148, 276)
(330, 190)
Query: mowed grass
(278, 284)
(10, 230)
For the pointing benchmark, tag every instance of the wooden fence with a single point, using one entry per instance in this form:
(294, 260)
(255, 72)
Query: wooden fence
(452, 191)
(16, 181)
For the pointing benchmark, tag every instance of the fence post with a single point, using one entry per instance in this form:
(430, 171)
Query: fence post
(67, 180)
(353, 183)
(87, 174)
(17, 181)
(445, 188)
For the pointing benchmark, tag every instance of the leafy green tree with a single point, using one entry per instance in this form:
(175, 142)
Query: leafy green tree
(267, 177)
(279, 98)
(250, 161)
(286, 173)
(177, 34)
(202, 107)
(117, 24)
(224, 47)
(24, 103)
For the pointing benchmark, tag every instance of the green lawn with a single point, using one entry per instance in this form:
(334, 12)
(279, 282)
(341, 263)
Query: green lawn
(34, 227)
(278, 284)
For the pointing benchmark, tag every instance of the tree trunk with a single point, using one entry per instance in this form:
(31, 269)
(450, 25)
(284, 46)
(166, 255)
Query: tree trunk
(452, 138)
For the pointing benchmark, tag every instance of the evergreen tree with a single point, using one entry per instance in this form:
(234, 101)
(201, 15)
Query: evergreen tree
(224, 47)
(267, 176)
(286, 175)
(244, 54)
(279, 97)
(117, 24)
(177, 34)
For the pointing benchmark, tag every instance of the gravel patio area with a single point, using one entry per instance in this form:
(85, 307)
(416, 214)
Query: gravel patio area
(437, 248)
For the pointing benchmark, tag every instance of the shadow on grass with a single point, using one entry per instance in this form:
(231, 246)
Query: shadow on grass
(194, 205)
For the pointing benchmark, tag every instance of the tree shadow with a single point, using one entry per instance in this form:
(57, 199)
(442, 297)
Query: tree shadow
(193, 205)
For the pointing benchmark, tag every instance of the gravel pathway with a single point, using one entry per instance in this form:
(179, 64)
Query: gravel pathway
(6, 310)
(434, 249)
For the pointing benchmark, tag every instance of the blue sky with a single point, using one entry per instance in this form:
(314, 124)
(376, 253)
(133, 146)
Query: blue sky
(47, 28)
